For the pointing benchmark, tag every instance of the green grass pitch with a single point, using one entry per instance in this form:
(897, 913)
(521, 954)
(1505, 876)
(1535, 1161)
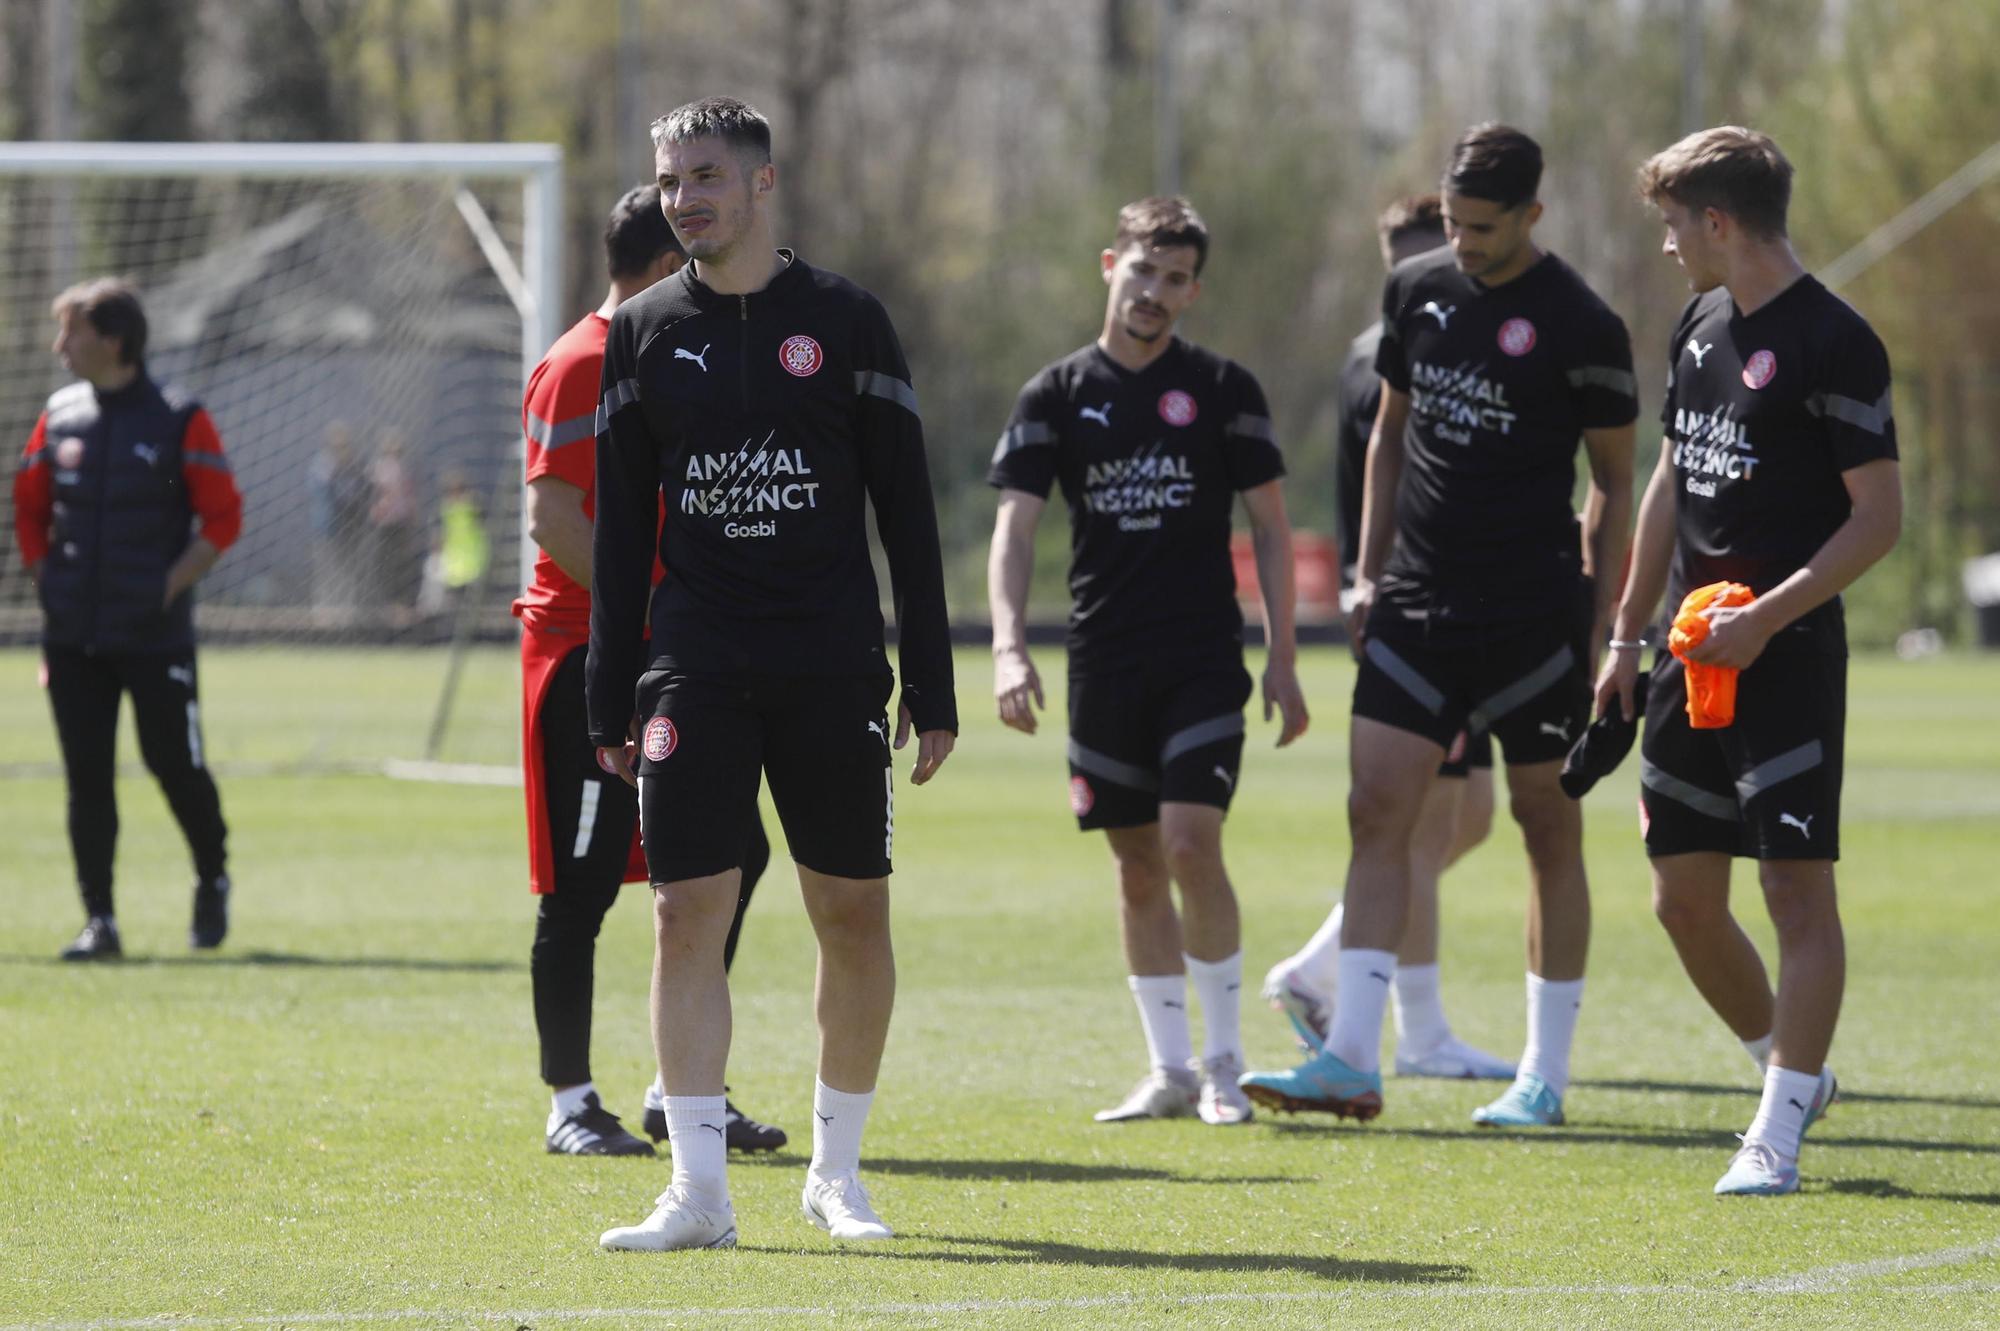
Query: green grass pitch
(336, 1120)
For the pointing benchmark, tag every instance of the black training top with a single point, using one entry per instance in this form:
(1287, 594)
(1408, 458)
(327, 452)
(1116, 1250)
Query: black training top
(1764, 412)
(1502, 382)
(1358, 399)
(762, 419)
(1150, 463)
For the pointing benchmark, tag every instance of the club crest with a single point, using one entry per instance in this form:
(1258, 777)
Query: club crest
(800, 356)
(1177, 408)
(1760, 369)
(1517, 337)
(661, 739)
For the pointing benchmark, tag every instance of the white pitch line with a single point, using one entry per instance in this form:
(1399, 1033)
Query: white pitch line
(671, 1316)
(1846, 1273)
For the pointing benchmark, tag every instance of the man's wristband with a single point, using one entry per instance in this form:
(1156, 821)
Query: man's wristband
(1627, 644)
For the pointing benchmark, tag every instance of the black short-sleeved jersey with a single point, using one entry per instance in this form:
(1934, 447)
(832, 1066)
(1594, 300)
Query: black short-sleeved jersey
(1502, 382)
(1763, 413)
(1360, 398)
(1150, 463)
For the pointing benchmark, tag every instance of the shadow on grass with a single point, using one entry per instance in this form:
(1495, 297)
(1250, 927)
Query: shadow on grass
(1056, 1171)
(1883, 1188)
(1749, 1090)
(1669, 1138)
(300, 960)
(1023, 1251)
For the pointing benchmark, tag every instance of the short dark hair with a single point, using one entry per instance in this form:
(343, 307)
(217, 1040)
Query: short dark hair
(1497, 163)
(1163, 221)
(1411, 215)
(637, 234)
(1729, 168)
(736, 123)
(112, 306)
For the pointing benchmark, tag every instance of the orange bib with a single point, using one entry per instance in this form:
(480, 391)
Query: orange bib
(1711, 702)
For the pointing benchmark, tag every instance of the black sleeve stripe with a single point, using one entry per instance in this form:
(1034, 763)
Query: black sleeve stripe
(39, 458)
(1603, 376)
(213, 460)
(1027, 434)
(1874, 419)
(1246, 426)
(561, 432)
(877, 384)
(621, 395)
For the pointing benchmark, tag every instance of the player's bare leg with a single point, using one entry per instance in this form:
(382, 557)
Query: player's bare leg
(1211, 938)
(1391, 771)
(1691, 900)
(1151, 932)
(1558, 944)
(691, 1034)
(1812, 974)
(855, 989)
(1812, 960)
(853, 996)
(1457, 814)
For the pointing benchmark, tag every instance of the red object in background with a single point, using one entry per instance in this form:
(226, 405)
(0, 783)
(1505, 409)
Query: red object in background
(1315, 568)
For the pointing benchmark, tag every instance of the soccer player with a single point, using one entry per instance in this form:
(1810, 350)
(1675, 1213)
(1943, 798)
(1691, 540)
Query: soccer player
(1495, 357)
(1458, 809)
(122, 501)
(1152, 439)
(583, 822)
(771, 402)
(1779, 471)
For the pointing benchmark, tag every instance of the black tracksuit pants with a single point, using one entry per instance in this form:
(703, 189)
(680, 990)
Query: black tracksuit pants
(84, 691)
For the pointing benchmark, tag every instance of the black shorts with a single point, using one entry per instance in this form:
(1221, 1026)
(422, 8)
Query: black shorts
(1523, 682)
(822, 742)
(1140, 737)
(1766, 787)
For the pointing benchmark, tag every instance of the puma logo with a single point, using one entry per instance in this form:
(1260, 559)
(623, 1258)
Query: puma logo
(878, 728)
(1441, 313)
(1697, 350)
(1378, 975)
(1804, 826)
(1222, 773)
(1796, 1105)
(1102, 415)
(183, 675)
(148, 452)
(716, 1129)
(1172, 1004)
(698, 357)
(824, 1118)
(1561, 732)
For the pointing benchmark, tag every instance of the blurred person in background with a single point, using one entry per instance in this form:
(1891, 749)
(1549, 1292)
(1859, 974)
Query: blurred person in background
(122, 501)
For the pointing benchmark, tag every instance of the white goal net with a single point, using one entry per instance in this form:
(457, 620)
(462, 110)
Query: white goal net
(357, 319)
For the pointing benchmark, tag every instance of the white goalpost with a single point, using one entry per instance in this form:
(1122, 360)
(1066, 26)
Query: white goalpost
(359, 318)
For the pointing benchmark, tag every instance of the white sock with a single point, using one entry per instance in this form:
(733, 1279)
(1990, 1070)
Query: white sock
(1162, 1001)
(656, 1094)
(1781, 1114)
(570, 1100)
(1318, 962)
(1218, 987)
(1760, 1053)
(1552, 1009)
(1365, 976)
(697, 1134)
(838, 1118)
(1419, 1008)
